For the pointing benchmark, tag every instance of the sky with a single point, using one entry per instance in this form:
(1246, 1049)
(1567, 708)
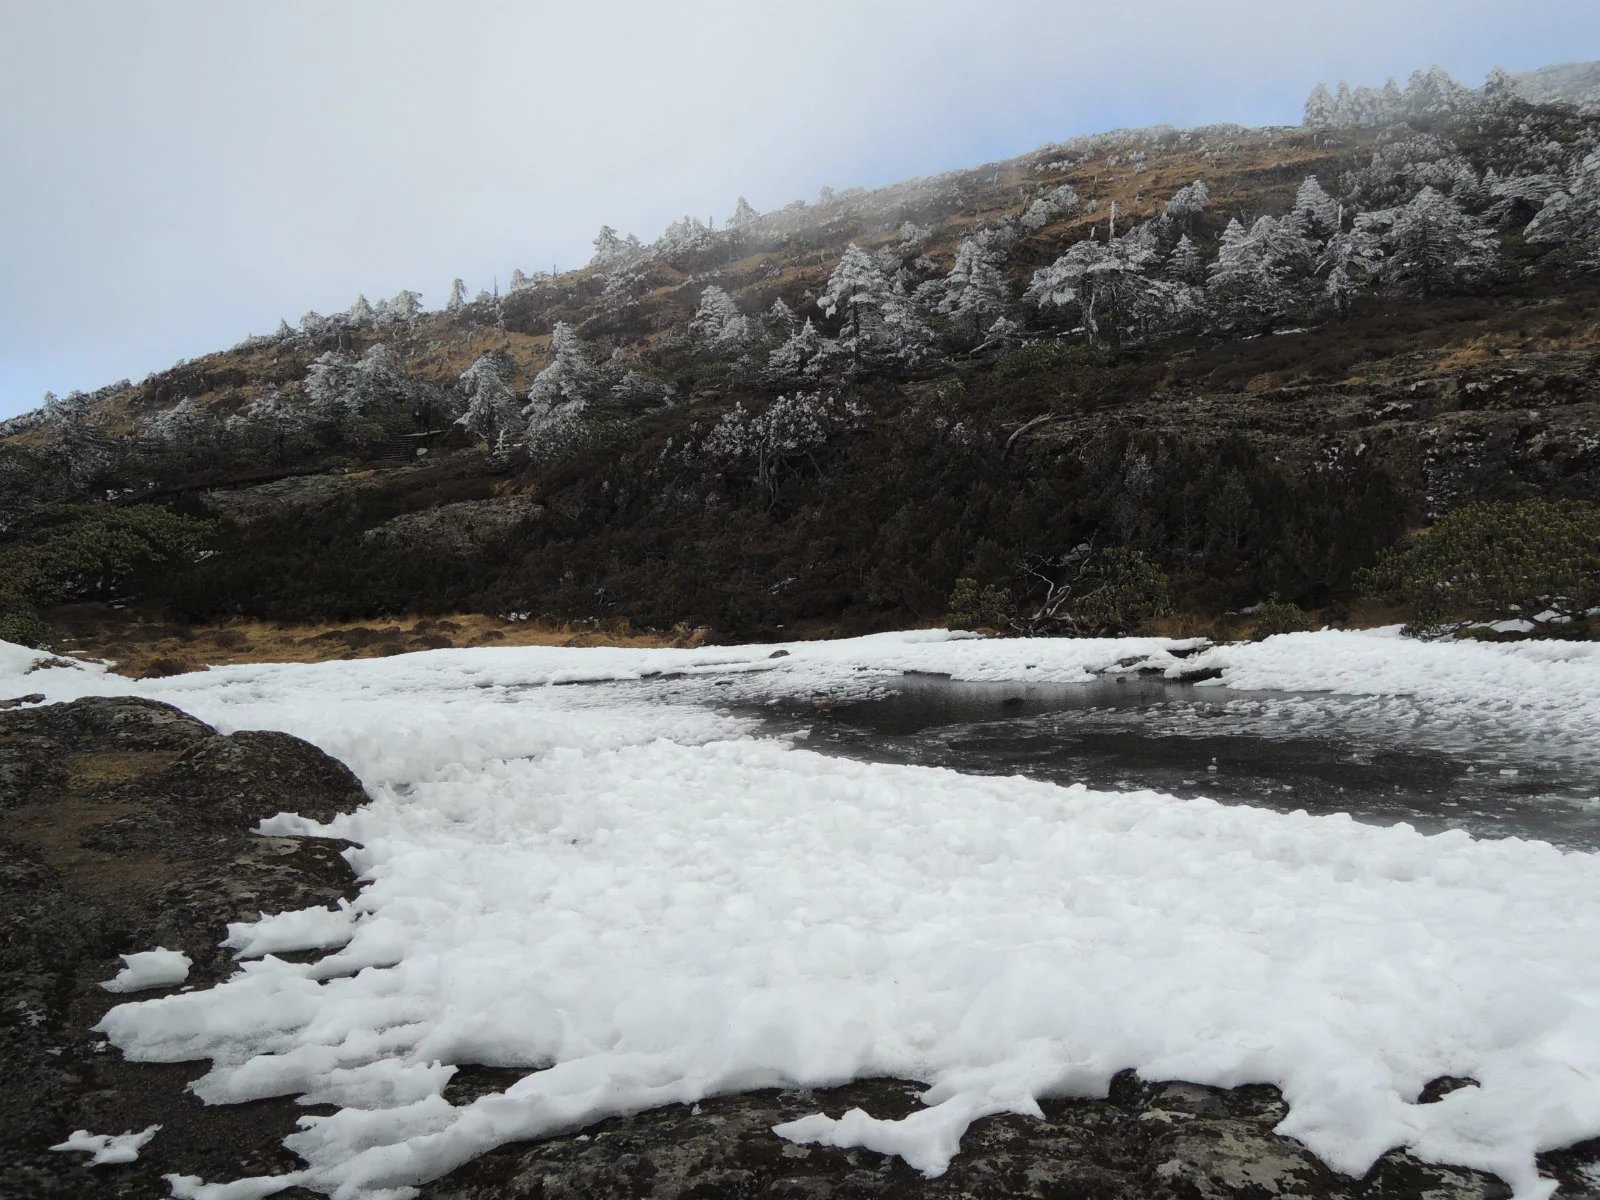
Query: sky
(176, 174)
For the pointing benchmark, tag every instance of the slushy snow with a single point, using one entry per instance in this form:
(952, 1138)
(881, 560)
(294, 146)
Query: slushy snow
(150, 969)
(625, 891)
(107, 1149)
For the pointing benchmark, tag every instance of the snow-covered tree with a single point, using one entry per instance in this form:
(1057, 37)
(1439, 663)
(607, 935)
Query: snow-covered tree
(743, 215)
(285, 331)
(1185, 263)
(1433, 93)
(880, 325)
(518, 281)
(610, 250)
(1431, 245)
(974, 294)
(493, 407)
(1106, 283)
(718, 325)
(802, 356)
(272, 418)
(1187, 203)
(1054, 204)
(1572, 213)
(401, 308)
(560, 393)
(458, 297)
(778, 440)
(1256, 273)
(361, 312)
(330, 388)
(184, 424)
(780, 318)
(1319, 112)
(1347, 263)
(685, 237)
(1317, 215)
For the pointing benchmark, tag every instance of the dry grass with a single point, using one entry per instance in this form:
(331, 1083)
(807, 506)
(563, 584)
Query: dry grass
(146, 649)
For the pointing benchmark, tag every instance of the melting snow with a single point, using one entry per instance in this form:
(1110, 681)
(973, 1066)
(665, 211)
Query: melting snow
(641, 902)
(108, 1149)
(150, 969)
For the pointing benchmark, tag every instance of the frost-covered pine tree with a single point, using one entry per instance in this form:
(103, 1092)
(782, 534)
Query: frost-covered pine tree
(610, 250)
(518, 281)
(361, 312)
(974, 294)
(285, 331)
(184, 424)
(401, 308)
(1347, 263)
(1054, 204)
(458, 297)
(560, 393)
(1185, 263)
(780, 318)
(1256, 272)
(493, 407)
(1573, 212)
(1319, 108)
(743, 215)
(273, 418)
(718, 325)
(1431, 245)
(1317, 215)
(1178, 215)
(330, 388)
(1106, 283)
(879, 324)
(800, 357)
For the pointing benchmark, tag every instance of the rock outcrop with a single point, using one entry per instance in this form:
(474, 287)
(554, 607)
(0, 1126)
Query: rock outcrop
(124, 825)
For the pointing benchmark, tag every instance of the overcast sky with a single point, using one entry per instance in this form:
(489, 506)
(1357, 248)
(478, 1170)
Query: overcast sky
(174, 175)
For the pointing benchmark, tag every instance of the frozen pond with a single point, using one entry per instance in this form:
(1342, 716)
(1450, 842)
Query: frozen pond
(1383, 759)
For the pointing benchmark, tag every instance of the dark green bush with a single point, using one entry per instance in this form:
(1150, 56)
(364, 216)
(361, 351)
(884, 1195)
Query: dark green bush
(974, 606)
(1277, 616)
(1492, 561)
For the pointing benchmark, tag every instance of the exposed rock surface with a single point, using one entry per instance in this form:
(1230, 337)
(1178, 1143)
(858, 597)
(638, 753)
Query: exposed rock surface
(1146, 1141)
(124, 825)
(458, 529)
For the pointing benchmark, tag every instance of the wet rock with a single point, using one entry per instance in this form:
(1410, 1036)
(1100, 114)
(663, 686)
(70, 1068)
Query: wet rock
(125, 825)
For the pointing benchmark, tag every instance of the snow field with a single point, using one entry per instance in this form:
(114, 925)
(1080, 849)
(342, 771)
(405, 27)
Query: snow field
(643, 904)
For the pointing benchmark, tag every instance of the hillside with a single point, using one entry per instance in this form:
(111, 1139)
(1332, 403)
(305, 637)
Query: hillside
(1253, 359)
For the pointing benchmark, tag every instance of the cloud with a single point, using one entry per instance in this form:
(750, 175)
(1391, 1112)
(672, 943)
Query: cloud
(181, 174)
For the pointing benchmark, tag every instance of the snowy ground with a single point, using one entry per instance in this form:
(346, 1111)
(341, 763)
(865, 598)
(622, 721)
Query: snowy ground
(624, 889)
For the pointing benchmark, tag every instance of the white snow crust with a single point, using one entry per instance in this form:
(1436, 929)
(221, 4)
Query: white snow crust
(108, 1149)
(150, 969)
(631, 895)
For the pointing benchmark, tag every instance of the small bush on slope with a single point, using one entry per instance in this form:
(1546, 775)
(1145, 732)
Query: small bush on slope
(1537, 560)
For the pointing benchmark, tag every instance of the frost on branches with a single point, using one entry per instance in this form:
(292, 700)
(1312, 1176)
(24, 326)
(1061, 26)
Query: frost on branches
(1105, 284)
(879, 325)
(772, 443)
(975, 293)
(493, 409)
(718, 325)
(559, 395)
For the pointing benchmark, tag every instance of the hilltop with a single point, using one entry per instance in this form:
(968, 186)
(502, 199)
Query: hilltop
(1239, 362)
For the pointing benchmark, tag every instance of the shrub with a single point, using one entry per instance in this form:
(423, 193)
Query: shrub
(1280, 616)
(92, 552)
(1538, 560)
(1099, 593)
(973, 606)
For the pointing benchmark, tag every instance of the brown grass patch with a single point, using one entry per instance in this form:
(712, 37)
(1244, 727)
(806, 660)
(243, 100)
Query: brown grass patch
(146, 649)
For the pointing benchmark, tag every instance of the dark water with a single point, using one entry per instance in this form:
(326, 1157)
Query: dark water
(1381, 759)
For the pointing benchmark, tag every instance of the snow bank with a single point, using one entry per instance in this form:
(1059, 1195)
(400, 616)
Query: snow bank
(150, 969)
(108, 1148)
(641, 903)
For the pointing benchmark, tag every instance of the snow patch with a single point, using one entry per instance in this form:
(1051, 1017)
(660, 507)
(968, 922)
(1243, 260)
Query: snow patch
(150, 969)
(107, 1149)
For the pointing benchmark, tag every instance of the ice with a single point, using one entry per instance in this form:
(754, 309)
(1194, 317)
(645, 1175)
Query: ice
(108, 1148)
(624, 892)
(150, 969)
